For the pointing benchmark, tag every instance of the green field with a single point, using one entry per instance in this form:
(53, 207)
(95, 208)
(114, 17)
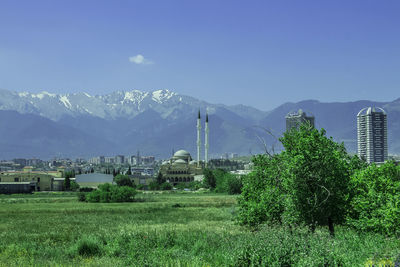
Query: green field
(170, 229)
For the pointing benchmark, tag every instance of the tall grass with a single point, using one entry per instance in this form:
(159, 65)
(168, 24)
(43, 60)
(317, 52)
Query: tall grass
(170, 230)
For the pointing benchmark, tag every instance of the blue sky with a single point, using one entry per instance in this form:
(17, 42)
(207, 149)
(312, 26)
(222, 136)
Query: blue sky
(258, 53)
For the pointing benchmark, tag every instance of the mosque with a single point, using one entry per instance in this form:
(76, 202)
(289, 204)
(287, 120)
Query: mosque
(181, 167)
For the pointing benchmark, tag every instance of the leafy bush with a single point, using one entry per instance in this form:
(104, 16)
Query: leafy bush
(140, 187)
(123, 180)
(181, 186)
(93, 196)
(154, 186)
(209, 179)
(262, 198)
(376, 201)
(195, 185)
(74, 186)
(122, 194)
(111, 193)
(81, 196)
(166, 186)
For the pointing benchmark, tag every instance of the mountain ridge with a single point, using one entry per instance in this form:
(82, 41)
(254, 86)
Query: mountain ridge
(159, 121)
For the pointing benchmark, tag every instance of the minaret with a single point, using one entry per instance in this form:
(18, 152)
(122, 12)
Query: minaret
(206, 142)
(198, 139)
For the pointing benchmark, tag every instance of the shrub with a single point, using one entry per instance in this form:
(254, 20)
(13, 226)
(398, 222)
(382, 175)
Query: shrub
(166, 186)
(234, 185)
(262, 198)
(180, 186)
(122, 194)
(141, 187)
(123, 180)
(93, 196)
(112, 193)
(376, 202)
(74, 186)
(209, 179)
(154, 186)
(81, 196)
(195, 185)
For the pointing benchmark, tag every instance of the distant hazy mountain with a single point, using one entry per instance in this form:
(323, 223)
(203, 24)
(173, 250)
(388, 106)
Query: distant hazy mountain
(47, 125)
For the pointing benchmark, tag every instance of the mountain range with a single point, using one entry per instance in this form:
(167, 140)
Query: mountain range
(155, 123)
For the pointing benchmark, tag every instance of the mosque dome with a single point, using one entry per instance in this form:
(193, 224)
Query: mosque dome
(182, 154)
(179, 162)
(165, 163)
(192, 162)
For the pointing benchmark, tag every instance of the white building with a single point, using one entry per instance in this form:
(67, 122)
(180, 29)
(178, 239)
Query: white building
(372, 134)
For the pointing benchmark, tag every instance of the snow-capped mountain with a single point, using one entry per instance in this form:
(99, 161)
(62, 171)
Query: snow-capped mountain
(119, 104)
(122, 122)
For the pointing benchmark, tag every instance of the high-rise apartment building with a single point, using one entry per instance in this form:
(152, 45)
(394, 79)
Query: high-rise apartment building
(119, 159)
(372, 134)
(295, 119)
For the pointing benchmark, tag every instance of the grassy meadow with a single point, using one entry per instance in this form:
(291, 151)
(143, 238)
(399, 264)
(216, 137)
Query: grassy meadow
(168, 229)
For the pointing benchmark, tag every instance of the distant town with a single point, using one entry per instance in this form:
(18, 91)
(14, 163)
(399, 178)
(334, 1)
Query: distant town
(27, 175)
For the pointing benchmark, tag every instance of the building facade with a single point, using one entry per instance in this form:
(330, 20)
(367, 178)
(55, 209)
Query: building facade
(372, 134)
(295, 119)
(181, 168)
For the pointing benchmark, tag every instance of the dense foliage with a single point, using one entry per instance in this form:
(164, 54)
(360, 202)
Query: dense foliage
(315, 182)
(262, 198)
(376, 202)
(222, 181)
(111, 193)
(123, 180)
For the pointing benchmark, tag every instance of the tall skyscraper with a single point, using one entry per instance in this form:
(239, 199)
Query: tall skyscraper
(372, 134)
(295, 119)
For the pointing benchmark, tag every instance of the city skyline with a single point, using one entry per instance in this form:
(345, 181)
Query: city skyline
(260, 54)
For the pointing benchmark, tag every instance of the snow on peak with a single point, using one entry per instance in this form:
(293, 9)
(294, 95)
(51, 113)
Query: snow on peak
(42, 94)
(135, 96)
(64, 99)
(161, 95)
(23, 94)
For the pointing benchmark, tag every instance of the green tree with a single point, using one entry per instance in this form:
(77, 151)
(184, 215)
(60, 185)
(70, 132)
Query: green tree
(160, 178)
(262, 197)
(123, 180)
(129, 172)
(317, 179)
(67, 183)
(74, 186)
(209, 179)
(307, 183)
(233, 184)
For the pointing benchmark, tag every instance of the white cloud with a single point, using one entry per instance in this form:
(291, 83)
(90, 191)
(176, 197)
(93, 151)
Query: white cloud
(139, 59)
